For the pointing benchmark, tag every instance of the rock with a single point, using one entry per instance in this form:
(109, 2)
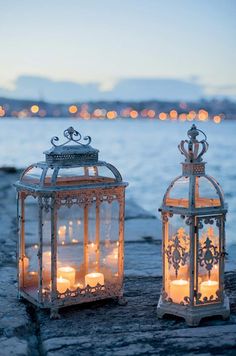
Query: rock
(13, 346)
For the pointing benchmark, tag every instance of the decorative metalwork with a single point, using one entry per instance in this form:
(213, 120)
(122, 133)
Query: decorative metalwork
(192, 153)
(208, 255)
(176, 253)
(193, 267)
(72, 135)
(56, 234)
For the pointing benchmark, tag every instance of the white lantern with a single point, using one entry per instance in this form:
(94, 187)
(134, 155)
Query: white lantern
(71, 227)
(193, 215)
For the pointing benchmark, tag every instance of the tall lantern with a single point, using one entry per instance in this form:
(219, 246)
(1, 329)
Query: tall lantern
(71, 227)
(193, 214)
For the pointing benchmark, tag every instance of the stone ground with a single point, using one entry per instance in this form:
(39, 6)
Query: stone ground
(104, 328)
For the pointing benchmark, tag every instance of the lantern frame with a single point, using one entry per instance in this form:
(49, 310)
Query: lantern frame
(55, 191)
(194, 251)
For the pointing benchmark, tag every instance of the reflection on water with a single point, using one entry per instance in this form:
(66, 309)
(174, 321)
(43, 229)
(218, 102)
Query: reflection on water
(145, 152)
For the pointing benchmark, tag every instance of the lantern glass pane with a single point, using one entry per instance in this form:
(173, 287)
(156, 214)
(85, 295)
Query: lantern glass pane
(205, 193)
(70, 245)
(48, 177)
(176, 269)
(46, 250)
(208, 260)
(109, 237)
(179, 193)
(33, 175)
(31, 266)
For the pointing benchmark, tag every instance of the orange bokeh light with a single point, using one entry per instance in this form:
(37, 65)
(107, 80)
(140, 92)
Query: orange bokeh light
(217, 119)
(2, 111)
(111, 115)
(183, 117)
(162, 116)
(173, 114)
(73, 109)
(34, 109)
(202, 115)
(151, 114)
(133, 114)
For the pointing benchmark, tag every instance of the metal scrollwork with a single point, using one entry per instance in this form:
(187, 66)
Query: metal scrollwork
(208, 255)
(72, 135)
(176, 253)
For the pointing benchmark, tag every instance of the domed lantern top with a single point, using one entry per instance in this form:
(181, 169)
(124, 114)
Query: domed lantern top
(71, 163)
(194, 189)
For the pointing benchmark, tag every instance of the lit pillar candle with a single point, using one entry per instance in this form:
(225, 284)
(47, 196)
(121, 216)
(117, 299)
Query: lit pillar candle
(67, 273)
(208, 288)
(62, 284)
(92, 279)
(179, 288)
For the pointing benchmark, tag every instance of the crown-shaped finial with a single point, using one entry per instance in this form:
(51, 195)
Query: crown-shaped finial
(193, 149)
(72, 135)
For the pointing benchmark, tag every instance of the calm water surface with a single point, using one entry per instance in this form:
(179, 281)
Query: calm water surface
(145, 152)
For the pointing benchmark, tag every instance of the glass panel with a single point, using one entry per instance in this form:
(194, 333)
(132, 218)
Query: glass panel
(84, 175)
(109, 236)
(70, 247)
(177, 246)
(208, 259)
(105, 172)
(205, 193)
(48, 177)
(33, 175)
(30, 261)
(179, 193)
(46, 250)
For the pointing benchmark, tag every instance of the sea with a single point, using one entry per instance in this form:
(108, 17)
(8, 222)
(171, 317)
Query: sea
(144, 151)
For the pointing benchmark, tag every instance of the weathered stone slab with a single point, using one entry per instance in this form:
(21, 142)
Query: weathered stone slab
(13, 347)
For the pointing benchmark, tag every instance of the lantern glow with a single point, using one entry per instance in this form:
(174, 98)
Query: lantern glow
(193, 215)
(71, 206)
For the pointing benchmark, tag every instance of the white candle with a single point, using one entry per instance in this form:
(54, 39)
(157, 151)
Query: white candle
(179, 288)
(208, 289)
(92, 279)
(67, 273)
(62, 284)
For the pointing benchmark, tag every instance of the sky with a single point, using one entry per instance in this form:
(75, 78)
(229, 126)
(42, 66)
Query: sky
(105, 41)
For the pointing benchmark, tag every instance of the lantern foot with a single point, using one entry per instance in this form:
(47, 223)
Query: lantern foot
(54, 314)
(122, 301)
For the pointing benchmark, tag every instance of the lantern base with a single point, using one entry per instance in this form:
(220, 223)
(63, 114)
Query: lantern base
(194, 314)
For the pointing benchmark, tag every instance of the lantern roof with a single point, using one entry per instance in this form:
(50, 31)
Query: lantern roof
(71, 154)
(73, 165)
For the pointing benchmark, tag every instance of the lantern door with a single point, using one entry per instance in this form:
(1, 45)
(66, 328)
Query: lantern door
(176, 268)
(209, 259)
(87, 230)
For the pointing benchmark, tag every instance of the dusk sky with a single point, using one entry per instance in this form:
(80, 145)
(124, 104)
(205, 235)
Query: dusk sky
(104, 41)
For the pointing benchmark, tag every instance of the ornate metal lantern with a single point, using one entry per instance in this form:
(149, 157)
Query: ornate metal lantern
(71, 227)
(193, 214)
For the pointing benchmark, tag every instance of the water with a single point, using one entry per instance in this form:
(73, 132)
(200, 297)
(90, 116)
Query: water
(145, 151)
